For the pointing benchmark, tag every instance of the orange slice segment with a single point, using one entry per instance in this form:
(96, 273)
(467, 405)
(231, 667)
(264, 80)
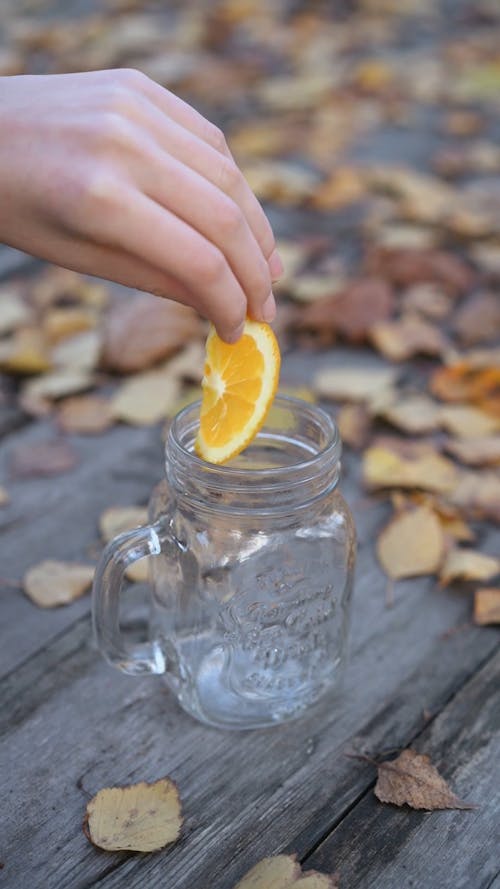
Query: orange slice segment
(239, 385)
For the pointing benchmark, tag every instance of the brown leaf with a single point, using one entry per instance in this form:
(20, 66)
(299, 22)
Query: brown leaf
(312, 287)
(52, 583)
(138, 818)
(406, 337)
(411, 544)
(413, 414)
(482, 451)
(281, 181)
(384, 468)
(146, 397)
(487, 606)
(353, 384)
(43, 458)
(345, 186)
(140, 332)
(411, 779)
(284, 872)
(60, 323)
(468, 564)
(350, 312)
(78, 353)
(354, 423)
(478, 320)
(57, 285)
(410, 266)
(58, 384)
(422, 198)
(465, 382)
(85, 415)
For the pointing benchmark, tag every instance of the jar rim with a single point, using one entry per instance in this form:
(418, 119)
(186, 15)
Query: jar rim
(329, 451)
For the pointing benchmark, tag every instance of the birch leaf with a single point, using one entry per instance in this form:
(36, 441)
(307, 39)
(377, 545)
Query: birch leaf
(411, 544)
(52, 583)
(411, 779)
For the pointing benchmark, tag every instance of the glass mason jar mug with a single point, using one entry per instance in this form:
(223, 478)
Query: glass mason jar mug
(251, 575)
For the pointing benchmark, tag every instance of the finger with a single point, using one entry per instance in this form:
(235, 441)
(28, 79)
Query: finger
(217, 167)
(213, 214)
(130, 221)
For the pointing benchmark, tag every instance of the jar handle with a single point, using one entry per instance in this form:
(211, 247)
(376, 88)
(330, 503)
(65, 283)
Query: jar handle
(125, 549)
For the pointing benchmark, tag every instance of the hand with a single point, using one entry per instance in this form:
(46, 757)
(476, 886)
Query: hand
(109, 174)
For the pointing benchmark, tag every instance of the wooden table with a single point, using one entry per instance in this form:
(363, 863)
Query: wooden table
(420, 675)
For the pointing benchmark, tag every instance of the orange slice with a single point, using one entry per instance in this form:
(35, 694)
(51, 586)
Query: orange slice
(239, 385)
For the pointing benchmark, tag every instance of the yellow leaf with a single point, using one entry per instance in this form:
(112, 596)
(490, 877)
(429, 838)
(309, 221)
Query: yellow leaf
(139, 818)
(382, 468)
(468, 564)
(353, 384)
(25, 352)
(411, 544)
(118, 519)
(487, 606)
(146, 398)
(284, 872)
(52, 583)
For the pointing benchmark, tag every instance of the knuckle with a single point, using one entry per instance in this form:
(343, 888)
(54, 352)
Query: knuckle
(229, 176)
(215, 137)
(115, 128)
(229, 218)
(212, 266)
(132, 78)
(99, 190)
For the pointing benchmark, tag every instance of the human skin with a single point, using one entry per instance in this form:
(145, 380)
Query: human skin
(110, 174)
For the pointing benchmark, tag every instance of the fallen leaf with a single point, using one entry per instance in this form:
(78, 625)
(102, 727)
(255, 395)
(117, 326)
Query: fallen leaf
(57, 285)
(463, 122)
(43, 458)
(354, 424)
(146, 397)
(427, 300)
(58, 384)
(405, 266)
(487, 606)
(78, 353)
(411, 779)
(345, 186)
(466, 421)
(284, 872)
(146, 329)
(309, 288)
(14, 312)
(468, 564)
(408, 336)
(280, 181)
(413, 414)
(487, 256)
(188, 364)
(118, 519)
(52, 583)
(477, 495)
(384, 468)
(478, 320)
(423, 198)
(138, 818)
(482, 451)
(464, 381)
(350, 312)
(353, 384)
(60, 323)
(25, 352)
(411, 544)
(85, 415)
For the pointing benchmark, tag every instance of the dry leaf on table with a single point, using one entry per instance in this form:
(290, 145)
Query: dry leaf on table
(25, 352)
(412, 544)
(427, 471)
(465, 382)
(140, 332)
(44, 458)
(477, 495)
(354, 423)
(466, 421)
(312, 288)
(57, 384)
(78, 353)
(14, 312)
(52, 583)
(280, 181)
(411, 779)
(484, 451)
(413, 414)
(284, 872)
(85, 415)
(468, 564)
(139, 818)
(353, 384)
(344, 186)
(427, 300)
(59, 323)
(408, 336)
(478, 320)
(487, 606)
(350, 312)
(406, 266)
(146, 398)
(118, 519)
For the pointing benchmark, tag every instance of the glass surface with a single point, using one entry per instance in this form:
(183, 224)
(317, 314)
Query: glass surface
(253, 573)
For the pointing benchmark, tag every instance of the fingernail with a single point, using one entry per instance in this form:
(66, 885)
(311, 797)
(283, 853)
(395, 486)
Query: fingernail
(268, 312)
(276, 267)
(235, 335)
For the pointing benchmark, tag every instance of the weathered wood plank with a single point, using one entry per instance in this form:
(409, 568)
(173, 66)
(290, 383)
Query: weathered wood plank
(245, 794)
(442, 850)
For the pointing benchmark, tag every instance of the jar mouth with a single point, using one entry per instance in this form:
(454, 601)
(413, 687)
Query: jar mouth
(298, 444)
